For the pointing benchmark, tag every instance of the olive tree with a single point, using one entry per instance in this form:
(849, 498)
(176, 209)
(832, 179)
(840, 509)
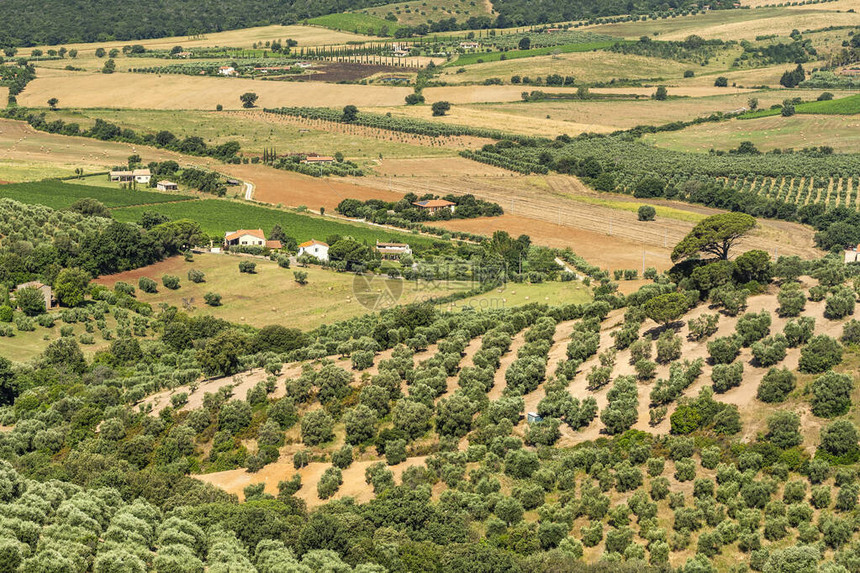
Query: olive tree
(316, 428)
(831, 394)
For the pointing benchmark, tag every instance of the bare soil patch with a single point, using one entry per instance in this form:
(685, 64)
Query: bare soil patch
(234, 481)
(293, 189)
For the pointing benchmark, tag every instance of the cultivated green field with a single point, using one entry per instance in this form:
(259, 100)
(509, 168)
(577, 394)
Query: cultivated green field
(217, 216)
(60, 195)
(842, 106)
(414, 13)
(766, 133)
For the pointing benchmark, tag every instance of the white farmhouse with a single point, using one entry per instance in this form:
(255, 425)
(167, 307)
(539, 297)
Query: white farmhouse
(314, 248)
(142, 176)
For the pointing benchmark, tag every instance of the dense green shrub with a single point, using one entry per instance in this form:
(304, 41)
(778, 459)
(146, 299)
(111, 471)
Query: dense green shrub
(724, 350)
(770, 350)
(831, 394)
(170, 281)
(799, 331)
(840, 304)
(753, 326)
(147, 285)
(792, 300)
(727, 376)
(703, 326)
(668, 347)
(776, 385)
(820, 354)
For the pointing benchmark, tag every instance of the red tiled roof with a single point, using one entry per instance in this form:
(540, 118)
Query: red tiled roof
(253, 232)
(313, 242)
(434, 203)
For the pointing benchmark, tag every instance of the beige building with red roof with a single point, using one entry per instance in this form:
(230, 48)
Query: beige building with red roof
(245, 238)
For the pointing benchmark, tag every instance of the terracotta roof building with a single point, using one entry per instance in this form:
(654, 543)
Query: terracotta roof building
(434, 205)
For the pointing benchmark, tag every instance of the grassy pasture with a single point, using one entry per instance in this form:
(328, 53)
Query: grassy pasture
(25, 346)
(60, 195)
(354, 22)
(216, 216)
(767, 133)
(326, 298)
(413, 13)
(30, 155)
(255, 131)
(477, 57)
(841, 106)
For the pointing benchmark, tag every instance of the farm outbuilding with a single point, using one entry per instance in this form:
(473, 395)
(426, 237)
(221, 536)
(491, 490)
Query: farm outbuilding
(43, 288)
(318, 160)
(121, 176)
(435, 205)
(392, 251)
(167, 186)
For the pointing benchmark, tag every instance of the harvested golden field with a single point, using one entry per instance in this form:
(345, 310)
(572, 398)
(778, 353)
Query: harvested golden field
(584, 66)
(497, 116)
(437, 167)
(256, 130)
(838, 5)
(574, 117)
(145, 91)
(733, 24)
(842, 133)
(244, 38)
(28, 155)
(768, 76)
